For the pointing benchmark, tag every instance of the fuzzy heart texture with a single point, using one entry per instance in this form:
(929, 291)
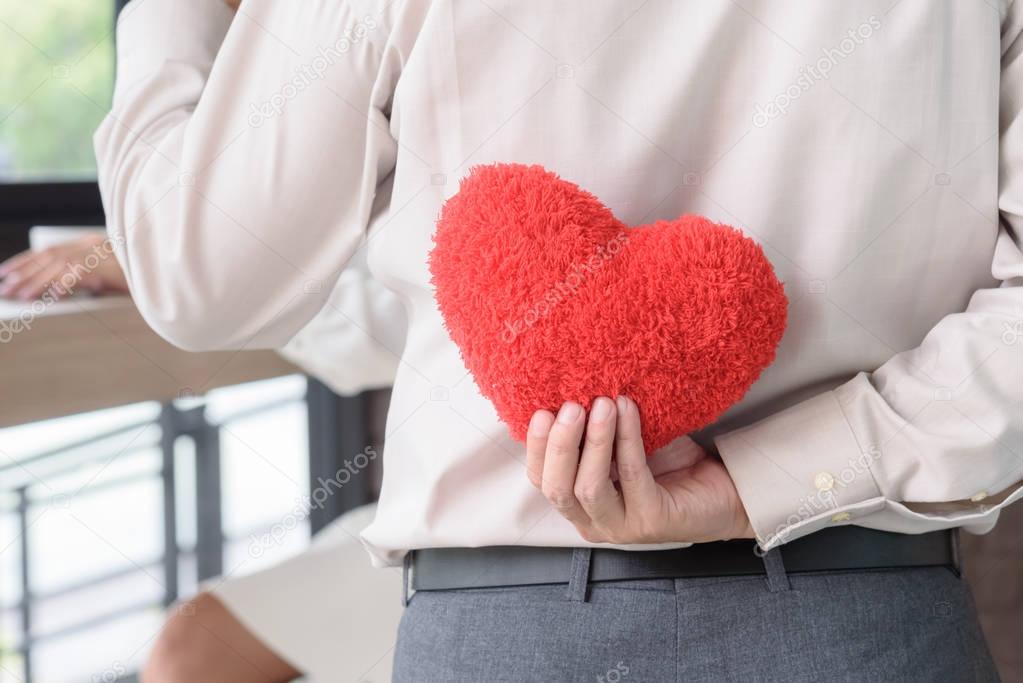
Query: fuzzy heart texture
(550, 298)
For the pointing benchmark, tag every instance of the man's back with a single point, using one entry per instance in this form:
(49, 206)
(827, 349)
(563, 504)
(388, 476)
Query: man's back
(872, 148)
(859, 145)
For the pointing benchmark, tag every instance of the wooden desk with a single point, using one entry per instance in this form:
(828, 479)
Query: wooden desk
(92, 353)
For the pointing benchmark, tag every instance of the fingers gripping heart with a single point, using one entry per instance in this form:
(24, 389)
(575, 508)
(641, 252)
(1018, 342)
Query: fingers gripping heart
(551, 299)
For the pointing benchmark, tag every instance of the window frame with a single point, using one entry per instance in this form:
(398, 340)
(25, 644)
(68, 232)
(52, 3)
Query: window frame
(23, 205)
(27, 204)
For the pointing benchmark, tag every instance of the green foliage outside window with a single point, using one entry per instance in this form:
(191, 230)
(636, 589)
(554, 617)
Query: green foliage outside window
(56, 78)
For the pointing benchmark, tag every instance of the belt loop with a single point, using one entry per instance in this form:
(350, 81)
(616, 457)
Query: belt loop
(406, 571)
(777, 577)
(957, 557)
(579, 575)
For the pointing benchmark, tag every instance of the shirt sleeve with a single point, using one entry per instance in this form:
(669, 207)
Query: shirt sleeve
(933, 438)
(241, 158)
(355, 342)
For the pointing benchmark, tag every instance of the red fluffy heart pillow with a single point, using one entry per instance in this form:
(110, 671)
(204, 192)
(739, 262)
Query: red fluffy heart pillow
(551, 298)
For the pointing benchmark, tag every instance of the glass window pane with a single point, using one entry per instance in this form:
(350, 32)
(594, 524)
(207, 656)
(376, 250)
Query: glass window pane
(65, 612)
(95, 534)
(105, 652)
(10, 554)
(265, 469)
(56, 67)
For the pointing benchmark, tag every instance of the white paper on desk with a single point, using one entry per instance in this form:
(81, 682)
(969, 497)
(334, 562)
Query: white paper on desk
(43, 236)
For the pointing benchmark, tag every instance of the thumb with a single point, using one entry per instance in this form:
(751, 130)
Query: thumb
(677, 455)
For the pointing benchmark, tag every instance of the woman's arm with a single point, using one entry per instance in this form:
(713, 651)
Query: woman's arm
(85, 263)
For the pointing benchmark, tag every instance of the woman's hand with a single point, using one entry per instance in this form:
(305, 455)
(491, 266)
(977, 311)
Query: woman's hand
(604, 484)
(86, 263)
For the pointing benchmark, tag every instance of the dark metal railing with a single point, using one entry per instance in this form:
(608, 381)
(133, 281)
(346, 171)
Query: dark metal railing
(175, 423)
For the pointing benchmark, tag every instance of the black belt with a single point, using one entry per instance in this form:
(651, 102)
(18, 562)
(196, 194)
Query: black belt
(847, 548)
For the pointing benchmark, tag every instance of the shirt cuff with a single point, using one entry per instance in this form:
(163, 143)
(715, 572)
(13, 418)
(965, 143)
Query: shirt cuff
(152, 32)
(801, 470)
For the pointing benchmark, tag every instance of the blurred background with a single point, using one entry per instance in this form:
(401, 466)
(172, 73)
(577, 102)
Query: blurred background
(132, 473)
(129, 471)
(57, 72)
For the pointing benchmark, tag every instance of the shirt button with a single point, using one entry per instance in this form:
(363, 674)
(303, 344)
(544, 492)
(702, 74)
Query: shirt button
(977, 497)
(841, 517)
(824, 481)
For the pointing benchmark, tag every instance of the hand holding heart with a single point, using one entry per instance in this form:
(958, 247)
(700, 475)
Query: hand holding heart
(550, 298)
(553, 301)
(595, 472)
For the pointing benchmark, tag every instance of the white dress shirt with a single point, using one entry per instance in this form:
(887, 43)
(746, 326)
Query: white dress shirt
(874, 148)
(354, 343)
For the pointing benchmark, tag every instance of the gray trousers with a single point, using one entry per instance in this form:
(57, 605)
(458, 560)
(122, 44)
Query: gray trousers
(893, 625)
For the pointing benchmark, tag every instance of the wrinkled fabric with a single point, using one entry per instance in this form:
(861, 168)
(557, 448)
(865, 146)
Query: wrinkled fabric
(874, 149)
